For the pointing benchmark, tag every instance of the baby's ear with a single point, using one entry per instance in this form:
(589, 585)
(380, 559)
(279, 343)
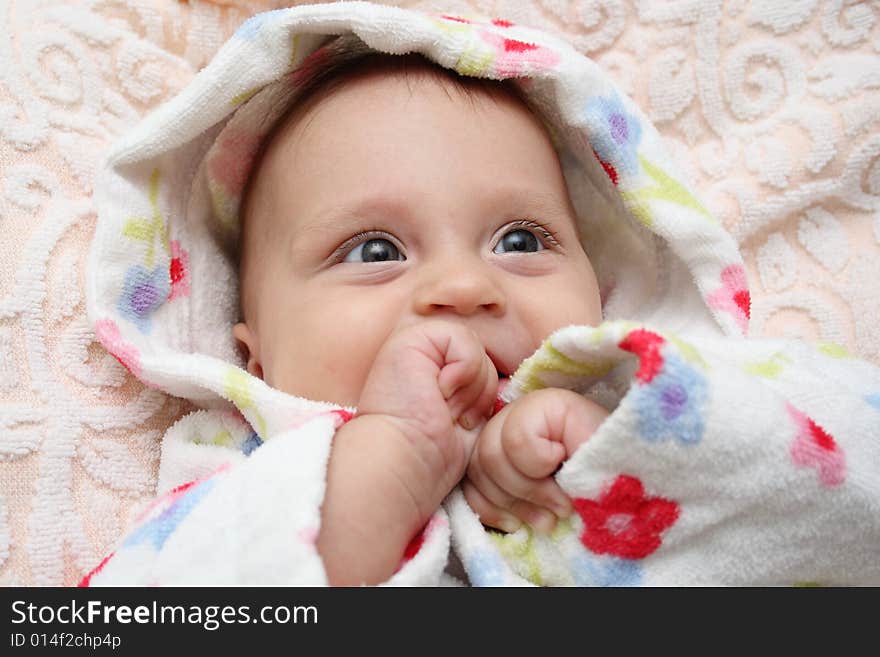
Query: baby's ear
(249, 348)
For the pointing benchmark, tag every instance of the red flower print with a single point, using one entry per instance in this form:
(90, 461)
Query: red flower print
(610, 171)
(342, 416)
(412, 549)
(646, 345)
(87, 580)
(624, 522)
(813, 447)
(498, 22)
(178, 271)
(422, 536)
(515, 58)
(456, 19)
(512, 45)
(733, 296)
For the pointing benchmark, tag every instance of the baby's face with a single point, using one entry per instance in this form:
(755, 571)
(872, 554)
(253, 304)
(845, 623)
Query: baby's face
(398, 200)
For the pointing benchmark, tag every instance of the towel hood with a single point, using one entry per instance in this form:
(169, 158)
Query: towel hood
(161, 285)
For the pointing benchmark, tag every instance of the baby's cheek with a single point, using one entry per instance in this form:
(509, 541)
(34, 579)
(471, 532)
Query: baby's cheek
(317, 375)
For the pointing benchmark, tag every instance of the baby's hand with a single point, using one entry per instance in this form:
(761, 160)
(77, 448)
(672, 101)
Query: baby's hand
(509, 477)
(427, 396)
(436, 385)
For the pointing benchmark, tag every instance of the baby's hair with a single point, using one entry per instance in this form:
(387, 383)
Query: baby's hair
(328, 69)
(345, 58)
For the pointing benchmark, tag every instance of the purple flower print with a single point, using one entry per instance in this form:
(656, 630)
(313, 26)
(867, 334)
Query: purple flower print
(142, 293)
(614, 134)
(671, 405)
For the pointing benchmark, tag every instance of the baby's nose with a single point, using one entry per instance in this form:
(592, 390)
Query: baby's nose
(462, 287)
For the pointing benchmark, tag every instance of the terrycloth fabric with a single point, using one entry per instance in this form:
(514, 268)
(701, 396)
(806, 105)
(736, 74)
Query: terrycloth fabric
(724, 461)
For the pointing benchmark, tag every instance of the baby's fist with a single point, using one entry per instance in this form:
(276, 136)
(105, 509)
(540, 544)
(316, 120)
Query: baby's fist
(509, 476)
(436, 382)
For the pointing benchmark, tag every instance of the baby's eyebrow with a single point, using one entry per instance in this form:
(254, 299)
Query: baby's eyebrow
(356, 212)
(339, 219)
(538, 201)
(360, 213)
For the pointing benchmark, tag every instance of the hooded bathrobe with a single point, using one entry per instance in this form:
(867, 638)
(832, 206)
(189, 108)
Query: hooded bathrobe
(725, 460)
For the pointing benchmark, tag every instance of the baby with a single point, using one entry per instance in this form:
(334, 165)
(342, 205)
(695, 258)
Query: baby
(423, 210)
(429, 214)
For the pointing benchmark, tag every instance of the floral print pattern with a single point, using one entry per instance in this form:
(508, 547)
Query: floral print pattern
(670, 395)
(733, 296)
(624, 521)
(181, 501)
(143, 292)
(646, 345)
(615, 135)
(178, 271)
(515, 58)
(813, 447)
(671, 407)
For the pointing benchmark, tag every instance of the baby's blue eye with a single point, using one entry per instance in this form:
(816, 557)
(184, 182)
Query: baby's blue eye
(518, 240)
(374, 250)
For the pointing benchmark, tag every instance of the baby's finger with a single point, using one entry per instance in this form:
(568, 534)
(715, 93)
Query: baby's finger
(530, 437)
(537, 502)
(489, 514)
(463, 361)
(482, 408)
(497, 505)
(543, 492)
(531, 454)
(480, 479)
(539, 518)
(491, 467)
(473, 403)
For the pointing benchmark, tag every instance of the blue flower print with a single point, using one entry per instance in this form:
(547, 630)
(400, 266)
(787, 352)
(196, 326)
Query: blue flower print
(671, 405)
(158, 529)
(485, 568)
(603, 570)
(616, 135)
(253, 441)
(874, 400)
(142, 293)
